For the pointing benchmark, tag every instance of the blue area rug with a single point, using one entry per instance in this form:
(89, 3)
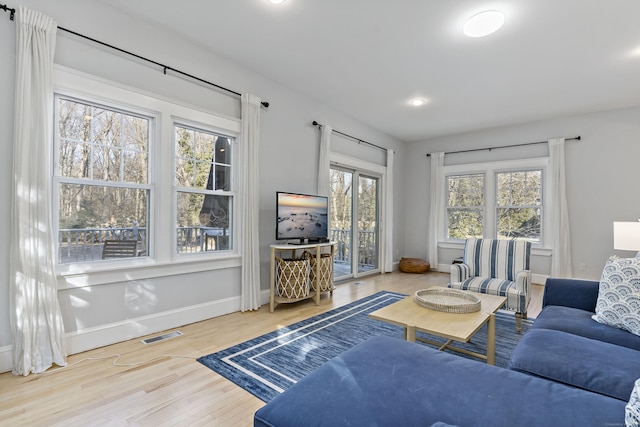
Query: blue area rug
(268, 365)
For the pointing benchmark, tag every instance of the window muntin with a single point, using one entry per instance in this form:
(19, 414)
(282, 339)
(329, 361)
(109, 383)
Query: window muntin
(465, 206)
(204, 190)
(490, 171)
(102, 174)
(519, 205)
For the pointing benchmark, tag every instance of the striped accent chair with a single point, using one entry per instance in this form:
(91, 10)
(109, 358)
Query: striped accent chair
(496, 267)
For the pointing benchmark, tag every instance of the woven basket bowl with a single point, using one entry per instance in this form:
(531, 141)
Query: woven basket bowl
(448, 300)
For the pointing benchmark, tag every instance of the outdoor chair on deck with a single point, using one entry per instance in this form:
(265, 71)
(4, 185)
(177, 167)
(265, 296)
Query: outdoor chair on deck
(119, 249)
(496, 267)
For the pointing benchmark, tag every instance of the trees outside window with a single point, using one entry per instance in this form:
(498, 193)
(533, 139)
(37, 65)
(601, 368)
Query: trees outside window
(465, 206)
(128, 166)
(519, 205)
(203, 181)
(497, 200)
(102, 181)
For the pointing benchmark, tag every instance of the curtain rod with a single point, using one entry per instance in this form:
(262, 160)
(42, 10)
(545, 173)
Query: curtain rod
(575, 138)
(164, 67)
(12, 12)
(352, 137)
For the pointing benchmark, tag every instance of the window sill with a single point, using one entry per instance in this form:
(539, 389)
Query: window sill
(122, 271)
(535, 250)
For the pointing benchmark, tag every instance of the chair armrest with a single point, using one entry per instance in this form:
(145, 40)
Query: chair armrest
(574, 293)
(523, 281)
(460, 273)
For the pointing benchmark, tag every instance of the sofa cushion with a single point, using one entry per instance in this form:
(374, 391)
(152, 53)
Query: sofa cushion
(578, 361)
(632, 410)
(619, 294)
(516, 300)
(576, 293)
(390, 382)
(579, 322)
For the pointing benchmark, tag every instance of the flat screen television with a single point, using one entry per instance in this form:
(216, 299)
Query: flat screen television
(302, 217)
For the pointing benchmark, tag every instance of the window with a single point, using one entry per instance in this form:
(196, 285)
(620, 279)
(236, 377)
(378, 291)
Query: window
(102, 181)
(130, 166)
(465, 206)
(204, 198)
(503, 200)
(519, 205)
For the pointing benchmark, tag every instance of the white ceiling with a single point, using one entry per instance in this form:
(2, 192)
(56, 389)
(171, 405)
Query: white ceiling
(367, 58)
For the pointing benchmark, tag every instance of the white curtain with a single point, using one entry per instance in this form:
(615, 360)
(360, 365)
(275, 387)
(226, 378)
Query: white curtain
(561, 260)
(36, 320)
(388, 250)
(250, 207)
(436, 205)
(324, 164)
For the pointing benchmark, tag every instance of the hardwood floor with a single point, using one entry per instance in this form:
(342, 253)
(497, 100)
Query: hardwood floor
(169, 390)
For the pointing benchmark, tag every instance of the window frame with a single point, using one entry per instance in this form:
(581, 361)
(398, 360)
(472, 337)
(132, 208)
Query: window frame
(163, 259)
(232, 192)
(481, 208)
(58, 179)
(541, 206)
(490, 171)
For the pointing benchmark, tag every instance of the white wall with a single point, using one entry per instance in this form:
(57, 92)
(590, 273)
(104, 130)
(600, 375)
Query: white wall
(602, 174)
(97, 315)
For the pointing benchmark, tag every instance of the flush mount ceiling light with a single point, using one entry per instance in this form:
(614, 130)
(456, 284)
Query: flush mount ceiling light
(276, 1)
(417, 102)
(483, 23)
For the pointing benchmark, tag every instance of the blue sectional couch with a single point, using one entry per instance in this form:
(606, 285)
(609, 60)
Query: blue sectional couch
(390, 382)
(568, 370)
(566, 345)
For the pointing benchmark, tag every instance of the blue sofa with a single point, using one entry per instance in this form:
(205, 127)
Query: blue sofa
(566, 345)
(390, 382)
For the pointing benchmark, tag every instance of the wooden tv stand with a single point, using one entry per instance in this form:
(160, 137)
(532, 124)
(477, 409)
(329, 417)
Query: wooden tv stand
(318, 249)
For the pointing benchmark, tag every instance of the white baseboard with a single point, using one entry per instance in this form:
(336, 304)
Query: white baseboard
(6, 359)
(443, 268)
(539, 279)
(100, 336)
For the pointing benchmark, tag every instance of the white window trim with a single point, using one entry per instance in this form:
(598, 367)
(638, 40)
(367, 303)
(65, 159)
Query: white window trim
(233, 192)
(163, 260)
(373, 170)
(489, 169)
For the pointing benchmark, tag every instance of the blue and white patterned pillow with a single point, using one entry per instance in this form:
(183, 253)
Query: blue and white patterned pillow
(632, 410)
(619, 294)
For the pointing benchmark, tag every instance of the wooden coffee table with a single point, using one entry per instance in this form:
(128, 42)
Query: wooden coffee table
(450, 326)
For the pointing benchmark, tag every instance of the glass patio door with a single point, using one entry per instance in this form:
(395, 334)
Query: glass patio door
(354, 222)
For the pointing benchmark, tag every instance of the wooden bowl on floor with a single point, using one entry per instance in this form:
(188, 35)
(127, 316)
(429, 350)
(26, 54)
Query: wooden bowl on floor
(414, 265)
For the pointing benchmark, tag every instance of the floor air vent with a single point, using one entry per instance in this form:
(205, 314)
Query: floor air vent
(161, 337)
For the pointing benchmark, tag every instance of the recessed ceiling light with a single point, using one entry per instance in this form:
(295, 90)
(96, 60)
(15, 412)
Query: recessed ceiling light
(276, 1)
(483, 23)
(417, 102)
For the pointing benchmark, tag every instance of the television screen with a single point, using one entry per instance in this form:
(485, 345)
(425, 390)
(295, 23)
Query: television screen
(301, 216)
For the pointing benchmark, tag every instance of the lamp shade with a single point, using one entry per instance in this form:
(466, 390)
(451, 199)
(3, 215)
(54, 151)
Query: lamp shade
(626, 236)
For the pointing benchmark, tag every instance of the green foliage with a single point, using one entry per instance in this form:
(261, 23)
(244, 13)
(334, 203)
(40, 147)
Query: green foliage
(465, 190)
(518, 205)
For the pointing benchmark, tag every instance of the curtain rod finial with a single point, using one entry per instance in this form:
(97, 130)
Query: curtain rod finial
(265, 104)
(12, 11)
